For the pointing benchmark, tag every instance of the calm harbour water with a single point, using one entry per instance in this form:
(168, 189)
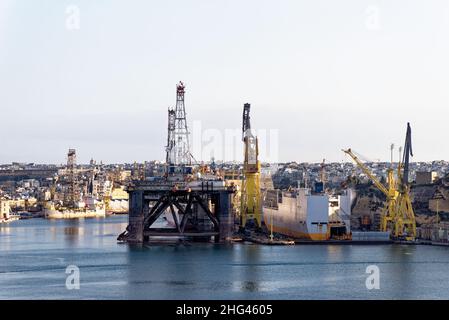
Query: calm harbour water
(35, 253)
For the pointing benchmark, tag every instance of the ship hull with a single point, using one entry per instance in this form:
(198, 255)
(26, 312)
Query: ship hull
(292, 229)
(73, 214)
(7, 220)
(118, 207)
(280, 221)
(303, 215)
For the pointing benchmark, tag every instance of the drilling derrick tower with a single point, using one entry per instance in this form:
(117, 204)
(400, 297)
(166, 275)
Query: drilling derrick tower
(72, 195)
(178, 148)
(170, 136)
(251, 209)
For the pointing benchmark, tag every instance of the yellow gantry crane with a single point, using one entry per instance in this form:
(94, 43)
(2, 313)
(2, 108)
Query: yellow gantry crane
(398, 215)
(251, 208)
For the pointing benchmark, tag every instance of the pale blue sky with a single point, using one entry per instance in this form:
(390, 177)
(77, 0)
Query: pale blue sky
(314, 70)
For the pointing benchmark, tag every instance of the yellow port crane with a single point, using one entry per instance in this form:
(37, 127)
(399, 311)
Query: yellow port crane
(251, 208)
(398, 215)
(388, 190)
(405, 218)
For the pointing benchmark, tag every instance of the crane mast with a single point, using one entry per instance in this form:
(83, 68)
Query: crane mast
(405, 219)
(251, 209)
(323, 172)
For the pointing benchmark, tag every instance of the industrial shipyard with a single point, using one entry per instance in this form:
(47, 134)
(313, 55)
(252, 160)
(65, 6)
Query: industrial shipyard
(224, 159)
(182, 199)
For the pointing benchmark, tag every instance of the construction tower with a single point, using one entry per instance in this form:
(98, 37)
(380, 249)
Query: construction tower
(178, 148)
(251, 209)
(71, 197)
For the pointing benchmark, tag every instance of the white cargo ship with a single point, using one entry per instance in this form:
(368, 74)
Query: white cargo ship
(89, 208)
(116, 201)
(302, 214)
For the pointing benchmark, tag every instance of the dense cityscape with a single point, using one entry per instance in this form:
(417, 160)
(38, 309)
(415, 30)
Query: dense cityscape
(27, 186)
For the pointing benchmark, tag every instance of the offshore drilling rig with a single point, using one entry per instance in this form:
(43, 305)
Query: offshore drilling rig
(193, 207)
(398, 216)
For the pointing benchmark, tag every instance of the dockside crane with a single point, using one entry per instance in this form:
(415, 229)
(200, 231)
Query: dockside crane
(405, 219)
(251, 208)
(323, 173)
(397, 216)
(389, 190)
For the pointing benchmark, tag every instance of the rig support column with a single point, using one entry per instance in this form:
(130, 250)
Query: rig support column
(136, 217)
(225, 216)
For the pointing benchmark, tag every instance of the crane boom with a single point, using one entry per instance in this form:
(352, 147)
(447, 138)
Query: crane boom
(376, 181)
(406, 156)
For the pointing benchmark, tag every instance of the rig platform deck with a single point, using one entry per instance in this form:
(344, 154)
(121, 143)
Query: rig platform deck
(197, 209)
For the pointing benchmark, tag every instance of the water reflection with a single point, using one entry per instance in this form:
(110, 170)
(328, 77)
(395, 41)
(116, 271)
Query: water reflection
(4, 229)
(34, 254)
(250, 286)
(402, 269)
(246, 274)
(334, 252)
(71, 231)
(5, 237)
